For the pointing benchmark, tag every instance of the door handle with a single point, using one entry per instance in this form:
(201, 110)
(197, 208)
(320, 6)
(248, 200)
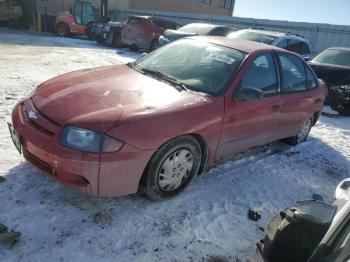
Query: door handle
(318, 101)
(276, 107)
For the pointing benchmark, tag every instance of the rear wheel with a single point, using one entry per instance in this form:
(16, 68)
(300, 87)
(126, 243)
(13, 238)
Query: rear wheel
(62, 30)
(172, 168)
(302, 134)
(134, 47)
(155, 44)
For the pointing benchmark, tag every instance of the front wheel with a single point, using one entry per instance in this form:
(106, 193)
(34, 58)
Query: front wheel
(302, 134)
(62, 30)
(172, 168)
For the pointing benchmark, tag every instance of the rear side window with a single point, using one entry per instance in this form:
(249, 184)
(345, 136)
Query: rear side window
(311, 79)
(297, 47)
(164, 24)
(293, 73)
(221, 31)
(261, 75)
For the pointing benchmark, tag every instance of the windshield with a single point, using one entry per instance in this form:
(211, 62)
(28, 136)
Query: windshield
(252, 36)
(334, 57)
(199, 29)
(197, 65)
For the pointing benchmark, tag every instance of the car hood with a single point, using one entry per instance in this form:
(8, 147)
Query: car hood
(176, 34)
(102, 98)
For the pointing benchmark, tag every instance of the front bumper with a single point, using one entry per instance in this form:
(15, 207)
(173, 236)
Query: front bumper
(106, 174)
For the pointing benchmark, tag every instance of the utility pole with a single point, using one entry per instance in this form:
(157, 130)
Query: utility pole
(45, 14)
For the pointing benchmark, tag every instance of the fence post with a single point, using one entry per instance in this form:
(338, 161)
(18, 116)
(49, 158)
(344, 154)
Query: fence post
(314, 38)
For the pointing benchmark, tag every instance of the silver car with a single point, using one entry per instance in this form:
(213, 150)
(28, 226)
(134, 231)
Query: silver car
(291, 42)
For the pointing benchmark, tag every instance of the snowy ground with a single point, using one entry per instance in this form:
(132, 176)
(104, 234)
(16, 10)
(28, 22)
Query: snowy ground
(208, 222)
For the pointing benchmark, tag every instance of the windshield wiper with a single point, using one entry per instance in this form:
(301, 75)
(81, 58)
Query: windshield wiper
(166, 77)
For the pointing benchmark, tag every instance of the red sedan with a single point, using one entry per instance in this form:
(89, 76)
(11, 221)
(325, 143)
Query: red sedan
(156, 123)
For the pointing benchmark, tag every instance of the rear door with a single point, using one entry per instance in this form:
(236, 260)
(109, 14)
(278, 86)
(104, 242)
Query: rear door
(250, 121)
(300, 97)
(131, 30)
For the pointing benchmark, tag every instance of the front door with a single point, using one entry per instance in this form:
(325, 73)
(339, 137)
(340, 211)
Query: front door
(252, 113)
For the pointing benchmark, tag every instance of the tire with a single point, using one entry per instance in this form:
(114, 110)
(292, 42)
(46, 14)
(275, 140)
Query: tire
(155, 44)
(88, 32)
(62, 30)
(134, 47)
(171, 168)
(302, 134)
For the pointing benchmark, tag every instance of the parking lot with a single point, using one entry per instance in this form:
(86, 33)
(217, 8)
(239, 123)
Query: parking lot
(207, 222)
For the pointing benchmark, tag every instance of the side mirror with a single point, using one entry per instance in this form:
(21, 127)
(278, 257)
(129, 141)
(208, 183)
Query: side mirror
(249, 94)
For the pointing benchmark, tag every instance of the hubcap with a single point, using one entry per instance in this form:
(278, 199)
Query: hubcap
(304, 131)
(175, 170)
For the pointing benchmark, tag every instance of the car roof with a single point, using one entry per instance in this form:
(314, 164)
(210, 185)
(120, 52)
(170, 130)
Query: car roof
(340, 48)
(245, 46)
(211, 25)
(276, 33)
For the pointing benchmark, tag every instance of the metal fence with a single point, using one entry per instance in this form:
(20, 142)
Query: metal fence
(321, 36)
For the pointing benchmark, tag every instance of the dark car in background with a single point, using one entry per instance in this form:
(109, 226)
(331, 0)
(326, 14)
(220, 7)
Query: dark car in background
(333, 66)
(289, 41)
(193, 30)
(137, 32)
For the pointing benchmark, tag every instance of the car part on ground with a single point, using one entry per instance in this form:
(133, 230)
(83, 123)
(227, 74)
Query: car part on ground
(8, 237)
(289, 41)
(310, 231)
(333, 66)
(194, 29)
(98, 130)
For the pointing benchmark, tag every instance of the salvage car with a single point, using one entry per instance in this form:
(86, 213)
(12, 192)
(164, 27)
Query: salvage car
(142, 32)
(195, 29)
(333, 66)
(311, 231)
(154, 124)
(289, 41)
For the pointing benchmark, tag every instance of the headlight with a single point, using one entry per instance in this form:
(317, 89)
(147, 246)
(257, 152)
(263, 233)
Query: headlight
(90, 141)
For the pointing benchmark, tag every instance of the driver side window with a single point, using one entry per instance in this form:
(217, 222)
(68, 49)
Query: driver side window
(260, 77)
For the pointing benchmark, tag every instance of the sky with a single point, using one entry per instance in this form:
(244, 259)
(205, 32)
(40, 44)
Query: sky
(314, 11)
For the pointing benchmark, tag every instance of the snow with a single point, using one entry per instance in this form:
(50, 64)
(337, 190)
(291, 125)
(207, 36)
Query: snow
(207, 221)
(329, 111)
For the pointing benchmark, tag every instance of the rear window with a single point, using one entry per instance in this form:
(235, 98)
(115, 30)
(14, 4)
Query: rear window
(135, 21)
(253, 36)
(199, 29)
(164, 24)
(221, 31)
(334, 57)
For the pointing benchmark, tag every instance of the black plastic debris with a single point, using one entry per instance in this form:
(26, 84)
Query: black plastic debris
(2, 179)
(254, 215)
(317, 197)
(8, 237)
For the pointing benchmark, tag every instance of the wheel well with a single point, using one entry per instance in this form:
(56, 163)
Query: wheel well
(315, 118)
(204, 156)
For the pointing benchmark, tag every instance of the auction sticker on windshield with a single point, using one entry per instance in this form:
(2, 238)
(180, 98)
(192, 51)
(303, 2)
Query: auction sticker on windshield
(222, 58)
